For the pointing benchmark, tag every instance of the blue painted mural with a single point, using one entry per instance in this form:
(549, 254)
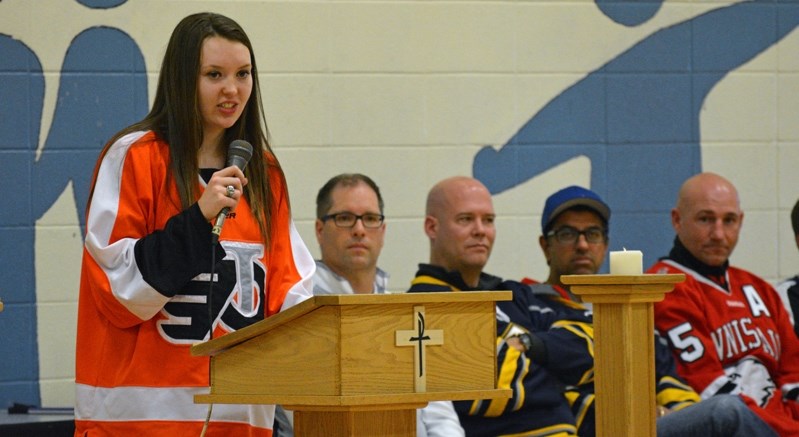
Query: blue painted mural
(636, 118)
(103, 87)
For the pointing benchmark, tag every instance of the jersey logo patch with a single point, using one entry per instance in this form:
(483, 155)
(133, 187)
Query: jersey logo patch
(238, 297)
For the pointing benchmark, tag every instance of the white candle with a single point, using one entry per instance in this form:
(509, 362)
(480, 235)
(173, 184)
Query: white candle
(626, 262)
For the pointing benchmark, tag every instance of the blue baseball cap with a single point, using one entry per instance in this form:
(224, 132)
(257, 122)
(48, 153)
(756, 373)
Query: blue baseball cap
(570, 197)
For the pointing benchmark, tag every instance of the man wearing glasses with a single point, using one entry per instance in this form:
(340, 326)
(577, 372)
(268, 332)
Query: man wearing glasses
(350, 228)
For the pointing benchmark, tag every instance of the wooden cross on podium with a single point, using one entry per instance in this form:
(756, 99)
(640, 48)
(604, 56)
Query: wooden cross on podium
(419, 338)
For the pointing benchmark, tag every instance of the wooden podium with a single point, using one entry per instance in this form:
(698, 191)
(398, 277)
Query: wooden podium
(624, 359)
(360, 365)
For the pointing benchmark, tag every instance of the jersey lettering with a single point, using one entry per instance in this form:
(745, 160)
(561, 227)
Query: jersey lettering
(756, 304)
(775, 340)
(690, 346)
(750, 333)
(739, 337)
(238, 297)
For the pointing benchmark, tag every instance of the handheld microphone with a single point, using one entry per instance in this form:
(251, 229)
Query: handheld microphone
(238, 154)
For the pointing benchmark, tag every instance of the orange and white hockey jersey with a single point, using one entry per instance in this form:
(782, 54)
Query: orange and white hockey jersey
(144, 289)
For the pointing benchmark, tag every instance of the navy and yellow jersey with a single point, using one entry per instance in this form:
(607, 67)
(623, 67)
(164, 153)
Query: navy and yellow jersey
(564, 328)
(430, 278)
(537, 406)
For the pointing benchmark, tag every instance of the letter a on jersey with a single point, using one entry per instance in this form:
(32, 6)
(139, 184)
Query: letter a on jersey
(756, 304)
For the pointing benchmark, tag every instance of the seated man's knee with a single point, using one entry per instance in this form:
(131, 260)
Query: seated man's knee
(727, 404)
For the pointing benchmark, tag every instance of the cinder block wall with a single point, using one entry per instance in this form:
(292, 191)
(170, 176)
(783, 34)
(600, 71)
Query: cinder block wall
(408, 92)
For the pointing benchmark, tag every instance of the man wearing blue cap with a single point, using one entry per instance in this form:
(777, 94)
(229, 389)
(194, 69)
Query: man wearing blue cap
(574, 239)
(570, 214)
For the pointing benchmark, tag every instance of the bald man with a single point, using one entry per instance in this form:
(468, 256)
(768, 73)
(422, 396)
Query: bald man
(540, 350)
(728, 328)
(459, 222)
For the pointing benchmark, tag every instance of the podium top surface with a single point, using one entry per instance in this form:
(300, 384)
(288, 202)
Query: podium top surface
(395, 298)
(216, 345)
(644, 279)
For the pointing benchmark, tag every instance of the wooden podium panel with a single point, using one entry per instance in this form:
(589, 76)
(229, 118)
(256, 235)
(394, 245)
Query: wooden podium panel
(360, 365)
(396, 420)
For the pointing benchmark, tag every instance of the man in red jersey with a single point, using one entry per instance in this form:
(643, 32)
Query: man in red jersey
(727, 327)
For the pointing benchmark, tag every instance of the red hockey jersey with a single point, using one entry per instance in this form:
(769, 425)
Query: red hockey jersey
(737, 341)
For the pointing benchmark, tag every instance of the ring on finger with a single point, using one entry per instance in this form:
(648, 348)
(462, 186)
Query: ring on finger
(230, 190)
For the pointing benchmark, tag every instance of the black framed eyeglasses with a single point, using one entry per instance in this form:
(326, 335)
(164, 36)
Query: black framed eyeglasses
(348, 219)
(570, 235)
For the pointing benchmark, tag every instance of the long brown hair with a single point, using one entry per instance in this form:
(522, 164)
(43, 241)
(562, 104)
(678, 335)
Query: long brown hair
(175, 117)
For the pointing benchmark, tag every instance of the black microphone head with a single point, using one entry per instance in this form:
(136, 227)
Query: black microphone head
(239, 153)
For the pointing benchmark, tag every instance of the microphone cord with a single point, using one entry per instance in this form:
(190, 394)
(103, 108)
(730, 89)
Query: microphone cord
(239, 154)
(210, 326)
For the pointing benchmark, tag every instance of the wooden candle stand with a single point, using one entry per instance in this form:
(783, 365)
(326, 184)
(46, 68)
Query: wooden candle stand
(624, 348)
